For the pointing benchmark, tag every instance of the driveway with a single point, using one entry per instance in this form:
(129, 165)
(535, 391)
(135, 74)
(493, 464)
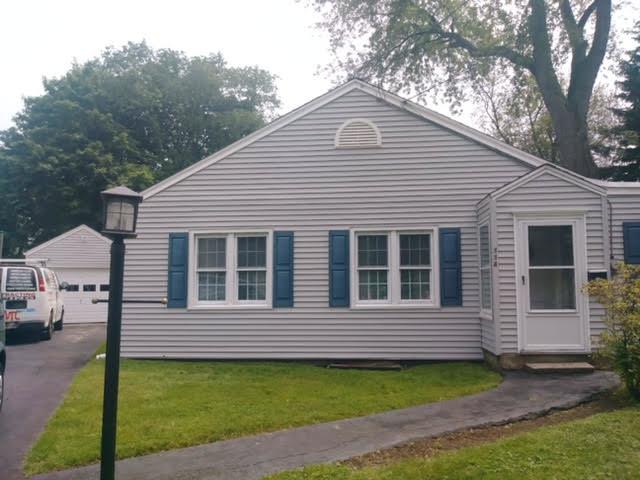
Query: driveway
(38, 374)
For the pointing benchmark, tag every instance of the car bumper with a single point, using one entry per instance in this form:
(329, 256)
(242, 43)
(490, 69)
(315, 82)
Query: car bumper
(24, 325)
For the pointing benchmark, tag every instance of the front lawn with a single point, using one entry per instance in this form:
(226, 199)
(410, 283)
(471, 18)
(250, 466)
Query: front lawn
(606, 445)
(170, 404)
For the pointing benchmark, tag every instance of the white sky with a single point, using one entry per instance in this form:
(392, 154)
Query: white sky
(41, 38)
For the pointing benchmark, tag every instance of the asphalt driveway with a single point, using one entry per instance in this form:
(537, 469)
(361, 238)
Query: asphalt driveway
(38, 374)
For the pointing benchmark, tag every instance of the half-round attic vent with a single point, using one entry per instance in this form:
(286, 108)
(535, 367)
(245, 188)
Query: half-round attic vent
(358, 133)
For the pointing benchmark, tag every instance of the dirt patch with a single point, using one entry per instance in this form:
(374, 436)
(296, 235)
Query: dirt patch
(430, 447)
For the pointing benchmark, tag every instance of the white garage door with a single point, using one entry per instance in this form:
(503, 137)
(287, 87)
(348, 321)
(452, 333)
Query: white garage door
(84, 285)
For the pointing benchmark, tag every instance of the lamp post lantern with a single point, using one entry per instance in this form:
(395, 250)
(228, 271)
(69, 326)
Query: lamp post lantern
(119, 222)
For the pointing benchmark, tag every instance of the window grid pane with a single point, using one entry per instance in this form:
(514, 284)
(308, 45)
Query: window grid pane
(415, 284)
(372, 285)
(252, 285)
(415, 249)
(212, 286)
(252, 252)
(212, 253)
(372, 250)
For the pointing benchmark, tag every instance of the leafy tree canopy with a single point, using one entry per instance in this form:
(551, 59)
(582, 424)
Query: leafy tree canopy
(627, 165)
(132, 116)
(448, 48)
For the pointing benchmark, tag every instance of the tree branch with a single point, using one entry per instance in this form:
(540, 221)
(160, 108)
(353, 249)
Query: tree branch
(574, 32)
(586, 14)
(476, 51)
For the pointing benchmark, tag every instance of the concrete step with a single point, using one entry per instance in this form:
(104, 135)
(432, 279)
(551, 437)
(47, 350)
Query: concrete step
(559, 367)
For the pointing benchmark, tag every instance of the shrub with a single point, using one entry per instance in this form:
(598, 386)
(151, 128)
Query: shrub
(620, 342)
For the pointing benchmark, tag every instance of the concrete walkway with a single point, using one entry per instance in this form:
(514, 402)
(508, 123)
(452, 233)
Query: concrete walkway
(250, 458)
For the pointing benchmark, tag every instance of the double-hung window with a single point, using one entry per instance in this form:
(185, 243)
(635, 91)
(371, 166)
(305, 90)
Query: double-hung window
(394, 267)
(212, 269)
(373, 267)
(252, 268)
(415, 266)
(485, 268)
(231, 269)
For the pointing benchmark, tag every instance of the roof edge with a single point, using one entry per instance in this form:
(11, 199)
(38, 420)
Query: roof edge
(64, 235)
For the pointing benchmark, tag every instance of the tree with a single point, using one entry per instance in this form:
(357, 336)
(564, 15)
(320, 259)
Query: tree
(132, 116)
(627, 164)
(515, 113)
(449, 46)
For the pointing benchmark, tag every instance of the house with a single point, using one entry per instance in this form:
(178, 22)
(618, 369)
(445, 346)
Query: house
(79, 257)
(362, 225)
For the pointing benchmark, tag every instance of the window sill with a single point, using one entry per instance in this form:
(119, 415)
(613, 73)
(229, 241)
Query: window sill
(486, 315)
(374, 306)
(231, 306)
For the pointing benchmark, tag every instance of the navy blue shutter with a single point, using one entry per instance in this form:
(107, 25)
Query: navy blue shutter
(339, 268)
(450, 267)
(177, 280)
(283, 269)
(631, 235)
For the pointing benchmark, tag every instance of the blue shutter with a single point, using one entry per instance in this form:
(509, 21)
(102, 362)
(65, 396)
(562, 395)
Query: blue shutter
(283, 269)
(631, 235)
(177, 280)
(339, 268)
(450, 267)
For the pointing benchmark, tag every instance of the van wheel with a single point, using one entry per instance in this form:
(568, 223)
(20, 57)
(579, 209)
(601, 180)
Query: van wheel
(59, 324)
(47, 333)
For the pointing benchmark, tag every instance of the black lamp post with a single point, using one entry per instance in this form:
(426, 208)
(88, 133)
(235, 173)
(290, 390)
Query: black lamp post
(119, 222)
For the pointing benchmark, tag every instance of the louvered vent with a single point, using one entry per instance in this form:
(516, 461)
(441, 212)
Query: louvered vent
(358, 133)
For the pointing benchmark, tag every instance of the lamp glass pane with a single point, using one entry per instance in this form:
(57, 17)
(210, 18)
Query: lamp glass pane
(120, 215)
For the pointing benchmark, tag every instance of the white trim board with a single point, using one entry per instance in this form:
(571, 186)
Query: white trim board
(322, 100)
(79, 228)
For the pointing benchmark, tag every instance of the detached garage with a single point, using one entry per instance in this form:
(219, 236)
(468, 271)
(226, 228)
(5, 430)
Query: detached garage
(80, 257)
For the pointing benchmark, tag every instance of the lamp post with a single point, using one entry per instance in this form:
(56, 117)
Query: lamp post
(119, 222)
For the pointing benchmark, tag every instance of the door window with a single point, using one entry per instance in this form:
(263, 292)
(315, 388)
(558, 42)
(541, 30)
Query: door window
(551, 268)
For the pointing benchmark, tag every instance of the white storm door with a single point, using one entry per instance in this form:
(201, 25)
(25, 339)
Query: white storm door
(552, 310)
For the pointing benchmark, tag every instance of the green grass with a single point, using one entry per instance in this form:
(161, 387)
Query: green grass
(604, 446)
(165, 404)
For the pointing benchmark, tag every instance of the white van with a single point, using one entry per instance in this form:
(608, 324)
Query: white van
(32, 299)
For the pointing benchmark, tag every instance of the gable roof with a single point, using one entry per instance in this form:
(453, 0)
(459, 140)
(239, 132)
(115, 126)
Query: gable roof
(78, 229)
(552, 169)
(411, 107)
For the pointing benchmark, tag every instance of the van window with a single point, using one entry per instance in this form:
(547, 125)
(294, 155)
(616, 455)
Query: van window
(88, 288)
(21, 280)
(72, 288)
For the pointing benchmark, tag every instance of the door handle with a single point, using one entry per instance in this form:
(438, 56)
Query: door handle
(523, 280)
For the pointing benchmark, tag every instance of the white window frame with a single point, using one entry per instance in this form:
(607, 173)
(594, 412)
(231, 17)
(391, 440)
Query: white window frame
(393, 265)
(484, 312)
(231, 269)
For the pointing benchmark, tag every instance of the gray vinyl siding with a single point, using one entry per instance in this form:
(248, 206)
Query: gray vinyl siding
(294, 179)
(623, 208)
(544, 192)
(78, 250)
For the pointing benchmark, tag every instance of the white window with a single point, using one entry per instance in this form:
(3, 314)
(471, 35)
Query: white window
(212, 269)
(394, 267)
(415, 266)
(485, 268)
(252, 268)
(373, 267)
(231, 269)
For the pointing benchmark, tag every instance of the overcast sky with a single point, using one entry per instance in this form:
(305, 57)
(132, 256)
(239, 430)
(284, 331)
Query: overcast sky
(41, 38)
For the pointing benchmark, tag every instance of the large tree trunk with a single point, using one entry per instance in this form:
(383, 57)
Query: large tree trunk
(569, 112)
(571, 131)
